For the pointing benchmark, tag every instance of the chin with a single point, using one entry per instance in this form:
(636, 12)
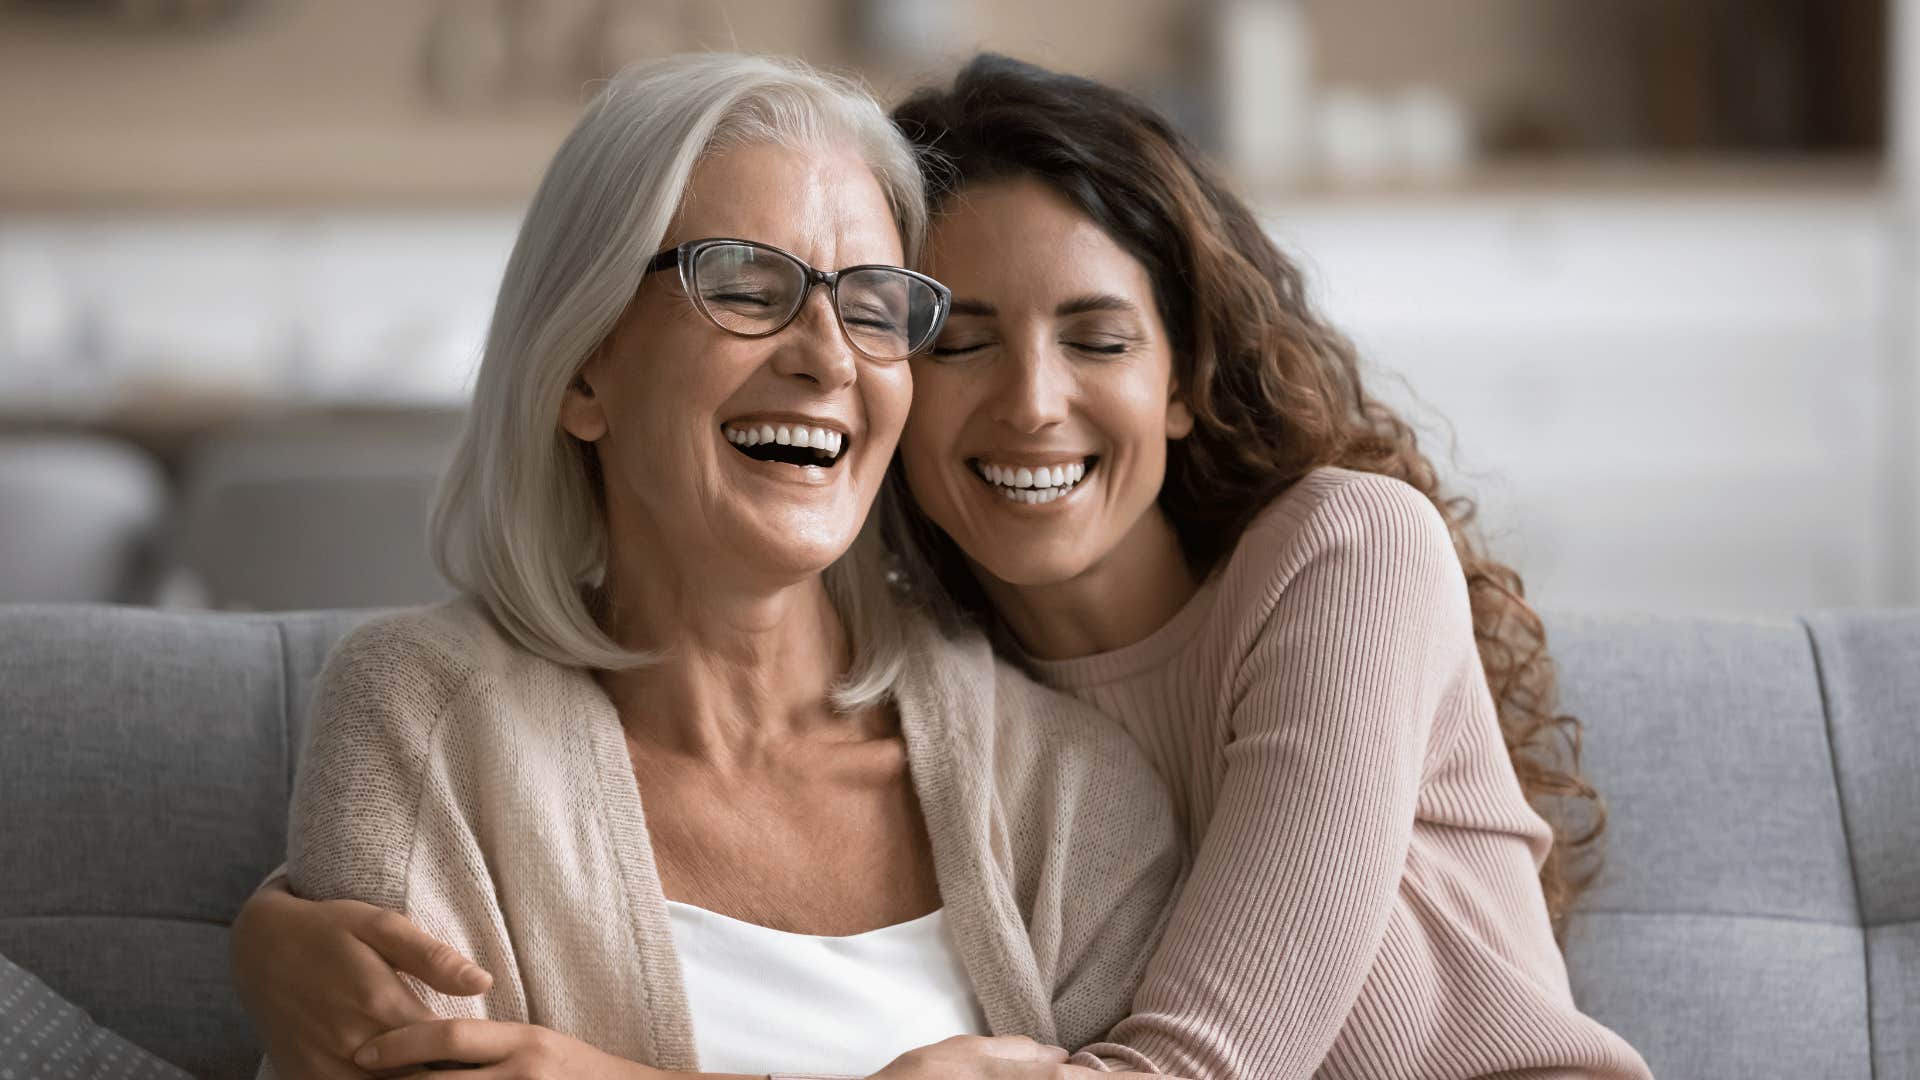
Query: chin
(1026, 571)
(800, 551)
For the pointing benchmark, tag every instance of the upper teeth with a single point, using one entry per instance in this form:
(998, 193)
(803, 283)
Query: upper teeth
(1040, 476)
(818, 438)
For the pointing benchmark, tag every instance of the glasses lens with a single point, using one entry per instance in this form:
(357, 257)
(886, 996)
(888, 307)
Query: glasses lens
(747, 290)
(888, 314)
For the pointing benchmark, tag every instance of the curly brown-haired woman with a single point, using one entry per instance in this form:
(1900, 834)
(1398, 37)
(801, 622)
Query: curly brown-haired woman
(1138, 455)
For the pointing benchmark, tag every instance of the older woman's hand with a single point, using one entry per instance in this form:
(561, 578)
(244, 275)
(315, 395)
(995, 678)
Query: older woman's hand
(319, 978)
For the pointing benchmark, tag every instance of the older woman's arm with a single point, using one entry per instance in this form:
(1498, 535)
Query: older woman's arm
(1131, 846)
(378, 839)
(1097, 845)
(361, 817)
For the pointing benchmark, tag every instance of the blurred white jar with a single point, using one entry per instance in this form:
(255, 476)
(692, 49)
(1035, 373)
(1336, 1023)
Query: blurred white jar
(1432, 132)
(1264, 51)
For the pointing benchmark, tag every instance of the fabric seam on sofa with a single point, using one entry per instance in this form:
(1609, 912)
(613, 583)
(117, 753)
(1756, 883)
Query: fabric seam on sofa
(286, 715)
(1652, 913)
(116, 916)
(1846, 836)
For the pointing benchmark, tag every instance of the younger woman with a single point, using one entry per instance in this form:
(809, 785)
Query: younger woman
(1138, 455)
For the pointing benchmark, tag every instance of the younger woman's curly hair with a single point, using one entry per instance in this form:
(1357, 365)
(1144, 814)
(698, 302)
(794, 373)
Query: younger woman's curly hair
(1275, 391)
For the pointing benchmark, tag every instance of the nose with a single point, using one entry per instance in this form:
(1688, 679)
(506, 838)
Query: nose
(1033, 390)
(812, 346)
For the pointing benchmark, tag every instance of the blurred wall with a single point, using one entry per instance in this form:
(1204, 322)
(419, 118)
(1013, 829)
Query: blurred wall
(1644, 311)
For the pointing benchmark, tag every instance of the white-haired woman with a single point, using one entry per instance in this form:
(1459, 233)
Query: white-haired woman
(677, 770)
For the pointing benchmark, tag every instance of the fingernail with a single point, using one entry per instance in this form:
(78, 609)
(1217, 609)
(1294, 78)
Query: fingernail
(367, 1056)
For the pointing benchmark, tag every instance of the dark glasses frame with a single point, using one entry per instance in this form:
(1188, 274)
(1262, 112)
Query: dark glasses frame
(686, 256)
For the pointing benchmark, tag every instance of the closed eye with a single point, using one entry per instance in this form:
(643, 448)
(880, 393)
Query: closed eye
(871, 319)
(740, 299)
(957, 350)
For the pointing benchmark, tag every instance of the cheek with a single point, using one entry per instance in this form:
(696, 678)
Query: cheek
(1138, 406)
(920, 464)
(940, 406)
(889, 394)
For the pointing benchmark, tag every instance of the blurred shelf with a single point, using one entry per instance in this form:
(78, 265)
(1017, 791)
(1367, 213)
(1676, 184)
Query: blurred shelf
(400, 162)
(1710, 176)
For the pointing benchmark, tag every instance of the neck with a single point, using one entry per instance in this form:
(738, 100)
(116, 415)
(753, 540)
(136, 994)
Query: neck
(1133, 591)
(743, 667)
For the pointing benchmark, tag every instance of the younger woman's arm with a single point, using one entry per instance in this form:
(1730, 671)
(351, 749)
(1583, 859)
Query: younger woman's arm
(1293, 883)
(321, 981)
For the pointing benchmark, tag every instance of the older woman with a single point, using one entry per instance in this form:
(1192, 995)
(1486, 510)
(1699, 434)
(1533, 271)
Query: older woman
(678, 769)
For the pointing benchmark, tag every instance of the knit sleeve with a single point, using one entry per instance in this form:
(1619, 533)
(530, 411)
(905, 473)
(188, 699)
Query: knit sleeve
(376, 813)
(1365, 621)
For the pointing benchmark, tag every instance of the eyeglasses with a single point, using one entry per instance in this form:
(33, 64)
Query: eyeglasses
(754, 290)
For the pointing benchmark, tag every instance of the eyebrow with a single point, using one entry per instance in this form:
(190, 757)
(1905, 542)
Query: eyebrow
(1079, 305)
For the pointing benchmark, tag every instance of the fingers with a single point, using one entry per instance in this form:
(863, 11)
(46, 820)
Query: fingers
(1005, 1047)
(405, 947)
(1021, 1048)
(478, 1042)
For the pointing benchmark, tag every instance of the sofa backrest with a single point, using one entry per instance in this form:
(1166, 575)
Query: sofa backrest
(145, 763)
(1759, 914)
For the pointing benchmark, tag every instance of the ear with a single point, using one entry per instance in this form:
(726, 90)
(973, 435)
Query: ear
(581, 413)
(1179, 416)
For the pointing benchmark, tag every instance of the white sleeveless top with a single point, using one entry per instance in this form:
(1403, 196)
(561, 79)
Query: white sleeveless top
(765, 1000)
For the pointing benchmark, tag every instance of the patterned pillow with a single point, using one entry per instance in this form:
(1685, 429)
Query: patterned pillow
(43, 1036)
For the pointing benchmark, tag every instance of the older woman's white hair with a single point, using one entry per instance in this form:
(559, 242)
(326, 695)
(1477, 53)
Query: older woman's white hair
(517, 522)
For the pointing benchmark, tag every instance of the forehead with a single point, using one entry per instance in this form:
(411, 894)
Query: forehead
(822, 203)
(1022, 239)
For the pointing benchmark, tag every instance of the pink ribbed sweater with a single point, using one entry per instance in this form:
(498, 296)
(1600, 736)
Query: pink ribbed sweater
(1364, 900)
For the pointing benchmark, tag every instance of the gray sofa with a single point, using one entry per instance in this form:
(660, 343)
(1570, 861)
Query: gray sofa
(1760, 916)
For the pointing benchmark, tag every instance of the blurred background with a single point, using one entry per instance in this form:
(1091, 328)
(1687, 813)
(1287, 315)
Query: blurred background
(1643, 271)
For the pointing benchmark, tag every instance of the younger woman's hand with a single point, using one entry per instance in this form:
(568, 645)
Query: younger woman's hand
(319, 979)
(996, 1057)
(982, 1057)
(503, 1051)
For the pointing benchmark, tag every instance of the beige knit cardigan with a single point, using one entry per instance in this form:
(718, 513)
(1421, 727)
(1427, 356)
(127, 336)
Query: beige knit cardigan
(486, 793)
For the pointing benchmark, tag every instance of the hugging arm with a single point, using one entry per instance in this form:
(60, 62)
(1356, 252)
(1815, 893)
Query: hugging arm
(1293, 884)
(321, 981)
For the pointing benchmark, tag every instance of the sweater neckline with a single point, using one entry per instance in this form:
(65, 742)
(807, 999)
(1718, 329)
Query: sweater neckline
(1156, 649)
